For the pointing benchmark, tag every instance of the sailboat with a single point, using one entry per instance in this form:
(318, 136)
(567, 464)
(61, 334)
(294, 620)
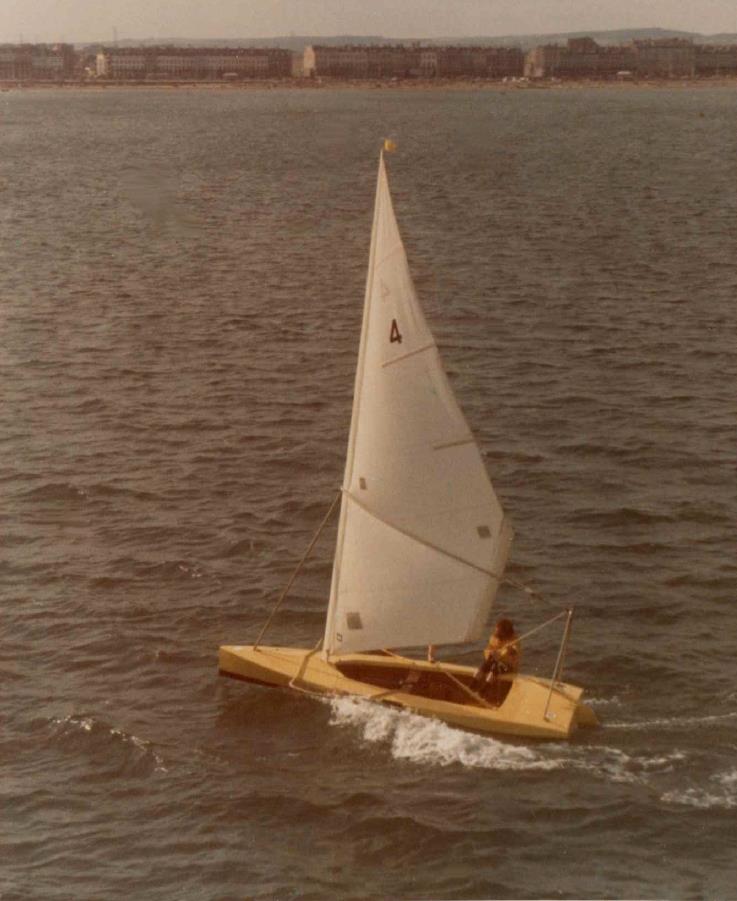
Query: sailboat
(422, 539)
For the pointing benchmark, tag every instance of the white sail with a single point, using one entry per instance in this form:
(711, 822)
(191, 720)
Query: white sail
(422, 540)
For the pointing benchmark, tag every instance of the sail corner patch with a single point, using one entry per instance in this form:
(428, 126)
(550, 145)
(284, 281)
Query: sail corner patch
(353, 621)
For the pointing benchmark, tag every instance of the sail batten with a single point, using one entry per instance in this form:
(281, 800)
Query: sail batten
(422, 539)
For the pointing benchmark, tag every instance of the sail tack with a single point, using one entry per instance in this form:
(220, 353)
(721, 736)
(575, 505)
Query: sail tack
(422, 540)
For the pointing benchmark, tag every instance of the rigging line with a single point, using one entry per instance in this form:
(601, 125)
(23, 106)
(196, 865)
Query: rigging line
(525, 588)
(302, 668)
(548, 622)
(526, 635)
(428, 544)
(297, 570)
(559, 662)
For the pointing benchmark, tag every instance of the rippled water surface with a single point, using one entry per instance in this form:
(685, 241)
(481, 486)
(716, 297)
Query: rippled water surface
(181, 280)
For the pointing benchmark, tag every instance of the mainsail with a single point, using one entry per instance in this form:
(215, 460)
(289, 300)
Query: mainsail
(422, 539)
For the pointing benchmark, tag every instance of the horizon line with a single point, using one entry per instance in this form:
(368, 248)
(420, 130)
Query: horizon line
(334, 36)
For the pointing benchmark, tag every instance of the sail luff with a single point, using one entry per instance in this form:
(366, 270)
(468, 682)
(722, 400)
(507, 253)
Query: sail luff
(382, 196)
(335, 578)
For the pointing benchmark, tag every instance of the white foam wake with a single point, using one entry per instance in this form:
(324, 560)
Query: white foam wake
(722, 792)
(425, 741)
(433, 743)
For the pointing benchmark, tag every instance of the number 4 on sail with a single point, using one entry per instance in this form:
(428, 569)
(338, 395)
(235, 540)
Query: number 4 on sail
(422, 538)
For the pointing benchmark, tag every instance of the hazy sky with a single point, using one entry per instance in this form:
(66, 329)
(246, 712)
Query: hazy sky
(94, 20)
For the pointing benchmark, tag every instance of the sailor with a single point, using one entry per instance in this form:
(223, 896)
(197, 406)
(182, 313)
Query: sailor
(501, 654)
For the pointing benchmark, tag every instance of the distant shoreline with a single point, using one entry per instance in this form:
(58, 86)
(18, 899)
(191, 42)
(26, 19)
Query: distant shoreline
(408, 84)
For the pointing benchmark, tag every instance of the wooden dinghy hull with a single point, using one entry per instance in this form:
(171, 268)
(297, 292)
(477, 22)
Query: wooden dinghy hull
(526, 707)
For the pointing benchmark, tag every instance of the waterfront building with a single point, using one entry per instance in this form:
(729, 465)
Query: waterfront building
(662, 58)
(716, 60)
(665, 57)
(479, 62)
(199, 63)
(584, 58)
(543, 61)
(579, 58)
(36, 62)
(125, 63)
(359, 61)
(406, 61)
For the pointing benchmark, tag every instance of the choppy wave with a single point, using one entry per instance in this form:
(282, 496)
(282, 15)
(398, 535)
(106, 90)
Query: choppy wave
(57, 491)
(71, 492)
(136, 752)
(673, 722)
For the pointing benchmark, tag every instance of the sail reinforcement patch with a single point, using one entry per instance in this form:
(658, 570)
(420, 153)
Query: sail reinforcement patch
(353, 621)
(484, 531)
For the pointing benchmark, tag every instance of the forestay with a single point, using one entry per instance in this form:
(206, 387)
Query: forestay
(422, 540)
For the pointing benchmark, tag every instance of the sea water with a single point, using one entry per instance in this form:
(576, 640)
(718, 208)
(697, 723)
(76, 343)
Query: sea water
(181, 284)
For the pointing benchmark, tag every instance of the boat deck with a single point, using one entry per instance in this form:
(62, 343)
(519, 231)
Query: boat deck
(525, 706)
(427, 683)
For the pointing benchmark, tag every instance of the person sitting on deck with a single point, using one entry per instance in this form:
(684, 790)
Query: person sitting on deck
(501, 655)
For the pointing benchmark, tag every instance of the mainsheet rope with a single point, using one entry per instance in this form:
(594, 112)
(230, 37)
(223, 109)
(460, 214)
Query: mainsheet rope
(297, 570)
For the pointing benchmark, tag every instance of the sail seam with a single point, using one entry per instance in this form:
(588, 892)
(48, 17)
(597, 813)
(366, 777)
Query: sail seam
(410, 353)
(428, 544)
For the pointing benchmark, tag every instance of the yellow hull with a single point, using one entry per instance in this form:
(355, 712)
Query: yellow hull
(427, 689)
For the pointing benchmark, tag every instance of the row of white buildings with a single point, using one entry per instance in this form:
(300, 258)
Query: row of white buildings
(664, 58)
(579, 58)
(193, 62)
(351, 61)
(414, 60)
